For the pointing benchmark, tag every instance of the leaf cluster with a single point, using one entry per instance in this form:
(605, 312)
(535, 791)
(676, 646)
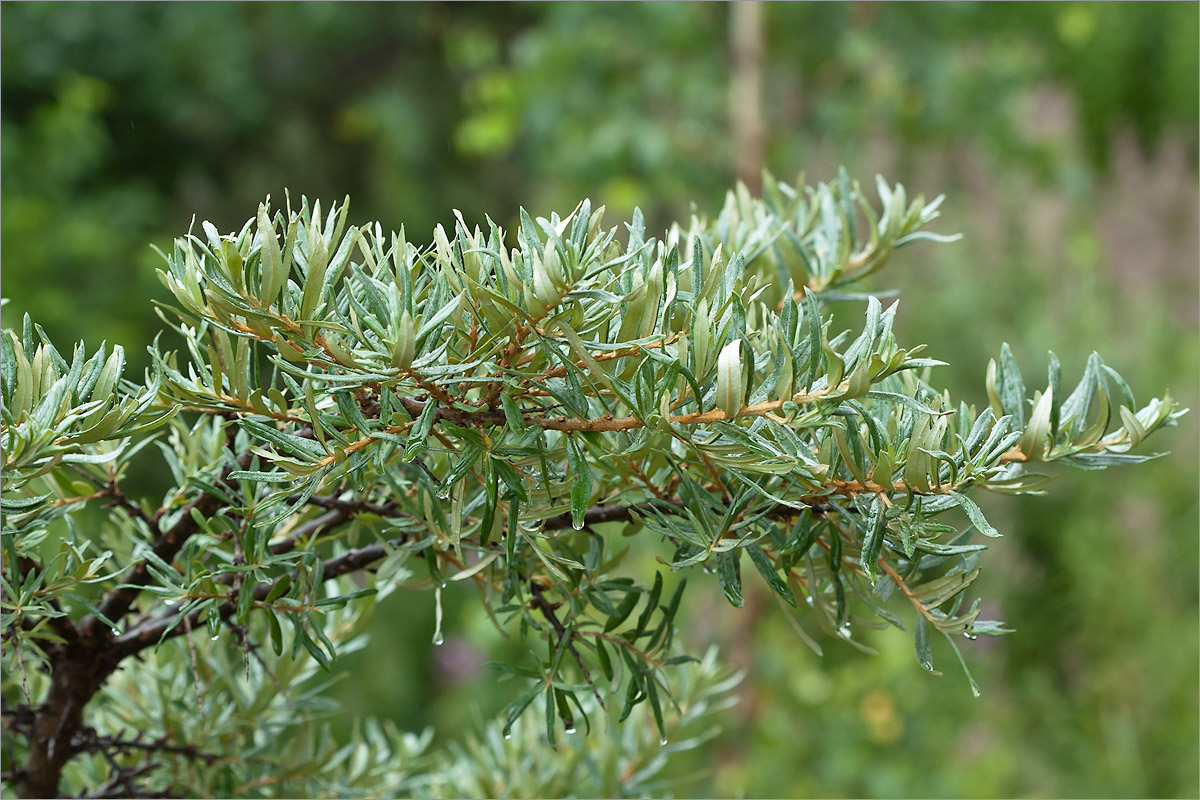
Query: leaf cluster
(500, 410)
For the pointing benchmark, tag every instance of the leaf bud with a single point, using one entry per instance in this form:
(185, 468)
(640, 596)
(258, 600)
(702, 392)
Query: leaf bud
(730, 381)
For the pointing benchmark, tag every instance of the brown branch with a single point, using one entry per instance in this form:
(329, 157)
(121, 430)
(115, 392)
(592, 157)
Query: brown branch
(618, 513)
(312, 528)
(907, 592)
(601, 513)
(511, 350)
(698, 418)
(92, 742)
(82, 666)
(121, 784)
(149, 632)
(166, 545)
(353, 506)
(155, 629)
(339, 511)
(558, 372)
(476, 419)
(850, 488)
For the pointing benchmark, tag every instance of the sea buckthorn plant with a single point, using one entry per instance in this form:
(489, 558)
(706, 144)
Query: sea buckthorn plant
(343, 412)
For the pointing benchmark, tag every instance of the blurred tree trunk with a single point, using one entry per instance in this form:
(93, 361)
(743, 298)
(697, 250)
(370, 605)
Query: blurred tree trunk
(749, 134)
(745, 100)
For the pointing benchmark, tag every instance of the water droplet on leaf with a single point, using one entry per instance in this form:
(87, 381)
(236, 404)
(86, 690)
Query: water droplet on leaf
(507, 736)
(169, 602)
(570, 729)
(438, 638)
(969, 635)
(116, 631)
(662, 742)
(443, 492)
(577, 525)
(215, 637)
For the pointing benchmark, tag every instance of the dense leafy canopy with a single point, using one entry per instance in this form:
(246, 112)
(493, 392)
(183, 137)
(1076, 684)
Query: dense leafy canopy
(346, 412)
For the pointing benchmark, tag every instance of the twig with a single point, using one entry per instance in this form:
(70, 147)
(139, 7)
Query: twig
(90, 741)
(547, 608)
(339, 511)
(121, 784)
(333, 502)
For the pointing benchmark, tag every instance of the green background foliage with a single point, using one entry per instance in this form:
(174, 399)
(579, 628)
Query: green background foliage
(1064, 135)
